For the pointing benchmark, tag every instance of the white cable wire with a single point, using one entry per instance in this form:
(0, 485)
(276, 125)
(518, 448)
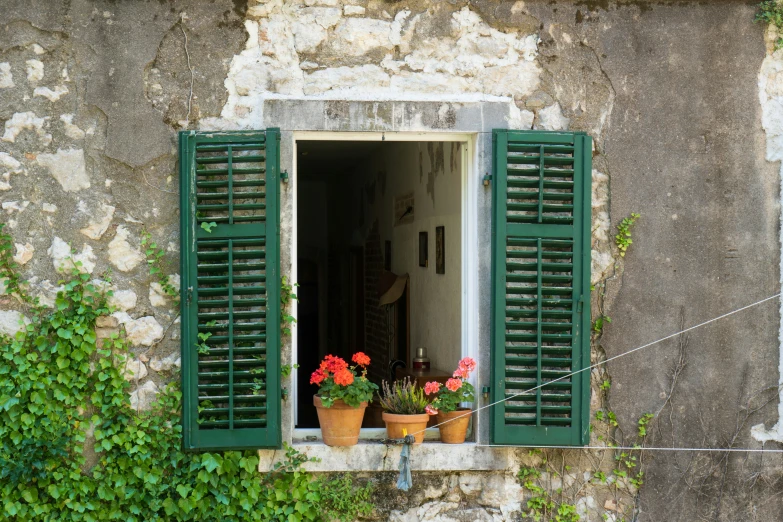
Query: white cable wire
(639, 448)
(526, 392)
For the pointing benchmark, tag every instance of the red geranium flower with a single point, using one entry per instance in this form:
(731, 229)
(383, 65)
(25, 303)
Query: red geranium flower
(430, 410)
(333, 364)
(361, 359)
(453, 384)
(317, 377)
(343, 377)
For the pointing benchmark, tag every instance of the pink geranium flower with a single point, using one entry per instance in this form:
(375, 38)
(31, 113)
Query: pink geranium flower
(460, 373)
(431, 387)
(430, 410)
(454, 384)
(467, 364)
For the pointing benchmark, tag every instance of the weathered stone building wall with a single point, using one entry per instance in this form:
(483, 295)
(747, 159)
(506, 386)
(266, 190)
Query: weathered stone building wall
(683, 103)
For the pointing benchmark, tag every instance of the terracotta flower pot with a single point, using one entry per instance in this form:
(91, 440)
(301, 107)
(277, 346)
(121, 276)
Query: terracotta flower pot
(413, 424)
(341, 423)
(454, 431)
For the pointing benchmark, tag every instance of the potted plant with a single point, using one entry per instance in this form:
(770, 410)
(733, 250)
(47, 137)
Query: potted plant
(342, 397)
(453, 420)
(404, 410)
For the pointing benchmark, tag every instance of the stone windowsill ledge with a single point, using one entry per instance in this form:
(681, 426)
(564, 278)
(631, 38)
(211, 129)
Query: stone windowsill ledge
(374, 456)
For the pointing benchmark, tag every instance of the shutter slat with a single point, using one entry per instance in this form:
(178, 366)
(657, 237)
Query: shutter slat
(540, 273)
(231, 316)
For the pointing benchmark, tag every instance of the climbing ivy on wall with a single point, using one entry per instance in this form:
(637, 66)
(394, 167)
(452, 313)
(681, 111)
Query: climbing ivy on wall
(61, 388)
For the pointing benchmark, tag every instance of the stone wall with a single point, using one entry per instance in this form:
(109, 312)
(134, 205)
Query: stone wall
(679, 98)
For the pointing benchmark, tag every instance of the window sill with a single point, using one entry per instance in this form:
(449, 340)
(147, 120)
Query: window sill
(374, 456)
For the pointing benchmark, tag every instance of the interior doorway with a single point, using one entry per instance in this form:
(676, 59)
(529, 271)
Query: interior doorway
(379, 237)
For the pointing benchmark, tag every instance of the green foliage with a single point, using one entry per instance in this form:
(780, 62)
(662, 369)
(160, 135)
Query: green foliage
(604, 386)
(286, 296)
(623, 238)
(525, 474)
(208, 226)
(154, 254)
(771, 12)
(285, 370)
(598, 324)
(403, 397)
(10, 282)
(541, 504)
(58, 383)
(608, 416)
(644, 420)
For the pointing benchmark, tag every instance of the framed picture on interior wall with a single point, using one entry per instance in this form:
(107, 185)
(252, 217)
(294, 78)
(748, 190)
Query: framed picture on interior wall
(423, 249)
(387, 255)
(440, 250)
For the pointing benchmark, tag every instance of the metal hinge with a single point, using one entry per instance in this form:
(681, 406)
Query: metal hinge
(487, 179)
(190, 294)
(579, 305)
(284, 176)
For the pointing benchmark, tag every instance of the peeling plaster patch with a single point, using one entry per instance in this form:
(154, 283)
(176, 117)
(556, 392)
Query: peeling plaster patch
(121, 253)
(361, 77)
(354, 10)
(8, 161)
(167, 363)
(601, 259)
(6, 78)
(63, 259)
(143, 397)
(35, 71)
(49, 94)
(45, 291)
(144, 331)
(552, 118)
(134, 370)
(98, 227)
(770, 82)
(48, 207)
(68, 168)
(124, 300)
(158, 296)
(358, 36)
(25, 120)
(520, 119)
(12, 322)
(37, 49)
(472, 62)
(11, 206)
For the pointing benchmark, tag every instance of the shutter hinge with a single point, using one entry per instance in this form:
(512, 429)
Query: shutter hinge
(284, 176)
(485, 392)
(487, 178)
(190, 294)
(579, 305)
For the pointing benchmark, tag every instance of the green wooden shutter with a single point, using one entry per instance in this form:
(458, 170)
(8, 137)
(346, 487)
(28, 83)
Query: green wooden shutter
(541, 286)
(230, 289)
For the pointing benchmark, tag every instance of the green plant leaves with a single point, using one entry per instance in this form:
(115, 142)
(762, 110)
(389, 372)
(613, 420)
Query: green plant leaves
(50, 396)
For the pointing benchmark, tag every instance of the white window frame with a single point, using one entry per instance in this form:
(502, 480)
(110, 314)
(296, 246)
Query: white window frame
(469, 195)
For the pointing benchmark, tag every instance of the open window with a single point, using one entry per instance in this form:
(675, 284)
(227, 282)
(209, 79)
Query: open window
(379, 232)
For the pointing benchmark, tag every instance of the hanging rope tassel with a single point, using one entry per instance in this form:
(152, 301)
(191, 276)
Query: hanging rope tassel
(405, 481)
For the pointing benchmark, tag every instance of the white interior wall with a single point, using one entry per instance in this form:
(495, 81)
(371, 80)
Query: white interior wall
(432, 171)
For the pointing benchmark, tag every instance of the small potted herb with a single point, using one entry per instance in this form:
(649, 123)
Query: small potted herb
(342, 397)
(404, 410)
(453, 420)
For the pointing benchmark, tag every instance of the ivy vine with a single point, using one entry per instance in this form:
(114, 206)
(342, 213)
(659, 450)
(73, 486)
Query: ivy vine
(71, 447)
